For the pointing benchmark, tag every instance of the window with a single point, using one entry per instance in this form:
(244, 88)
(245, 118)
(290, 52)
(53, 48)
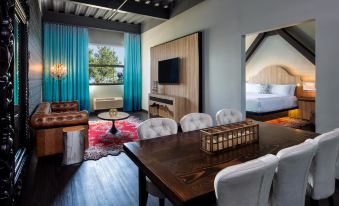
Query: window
(106, 64)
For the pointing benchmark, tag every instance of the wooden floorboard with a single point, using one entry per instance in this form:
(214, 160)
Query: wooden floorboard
(112, 180)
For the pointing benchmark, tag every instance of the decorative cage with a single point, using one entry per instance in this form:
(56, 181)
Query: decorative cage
(225, 137)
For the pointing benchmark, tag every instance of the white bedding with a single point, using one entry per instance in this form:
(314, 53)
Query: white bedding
(261, 103)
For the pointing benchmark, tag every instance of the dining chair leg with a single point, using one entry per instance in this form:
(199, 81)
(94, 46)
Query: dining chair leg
(161, 202)
(331, 201)
(314, 202)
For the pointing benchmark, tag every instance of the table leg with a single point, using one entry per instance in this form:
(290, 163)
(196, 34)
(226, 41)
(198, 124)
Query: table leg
(113, 129)
(142, 189)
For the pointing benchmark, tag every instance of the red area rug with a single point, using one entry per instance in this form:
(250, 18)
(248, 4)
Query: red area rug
(290, 122)
(103, 143)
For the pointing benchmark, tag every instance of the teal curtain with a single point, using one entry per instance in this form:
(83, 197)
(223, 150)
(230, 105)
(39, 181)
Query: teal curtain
(67, 45)
(132, 72)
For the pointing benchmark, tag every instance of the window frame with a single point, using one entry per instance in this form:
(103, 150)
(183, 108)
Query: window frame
(106, 65)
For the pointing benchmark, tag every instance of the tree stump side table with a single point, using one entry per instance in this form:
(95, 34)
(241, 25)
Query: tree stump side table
(74, 145)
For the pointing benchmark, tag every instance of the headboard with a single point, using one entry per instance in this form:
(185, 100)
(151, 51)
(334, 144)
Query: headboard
(274, 74)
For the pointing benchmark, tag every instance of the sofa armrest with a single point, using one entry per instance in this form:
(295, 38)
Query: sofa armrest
(72, 106)
(59, 119)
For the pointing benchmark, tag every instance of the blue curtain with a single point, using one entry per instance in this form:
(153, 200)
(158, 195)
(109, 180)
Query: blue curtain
(132, 73)
(67, 45)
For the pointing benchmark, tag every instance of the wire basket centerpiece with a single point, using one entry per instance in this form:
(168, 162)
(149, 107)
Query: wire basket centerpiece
(225, 137)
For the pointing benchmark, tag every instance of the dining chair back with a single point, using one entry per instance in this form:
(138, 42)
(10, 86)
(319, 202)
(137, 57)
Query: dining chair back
(228, 116)
(195, 121)
(156, 127)
(322, 172)
(290, 180)
(246, 184)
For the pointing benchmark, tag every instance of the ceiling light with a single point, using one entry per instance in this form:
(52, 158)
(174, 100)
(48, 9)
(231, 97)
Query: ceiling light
(166, 6)
(147, 2)
(156, 4)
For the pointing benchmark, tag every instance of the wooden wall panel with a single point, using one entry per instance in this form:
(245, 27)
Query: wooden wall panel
(274, 74)
(188, 50)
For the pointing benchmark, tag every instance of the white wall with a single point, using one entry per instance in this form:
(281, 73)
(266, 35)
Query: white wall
(274, 50)
(102, 91)
(225, 21)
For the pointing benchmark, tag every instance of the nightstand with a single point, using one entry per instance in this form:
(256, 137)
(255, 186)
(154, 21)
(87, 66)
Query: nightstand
(307, 108)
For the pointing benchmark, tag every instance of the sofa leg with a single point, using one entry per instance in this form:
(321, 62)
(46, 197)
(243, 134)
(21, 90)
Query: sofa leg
(314, 202)
(331, 201)
(161, 202)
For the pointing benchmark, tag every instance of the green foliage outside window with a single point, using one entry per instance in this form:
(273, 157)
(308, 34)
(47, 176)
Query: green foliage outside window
(105, 67)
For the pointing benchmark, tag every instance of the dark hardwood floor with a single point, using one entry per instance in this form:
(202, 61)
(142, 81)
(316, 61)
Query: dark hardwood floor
(110, 181)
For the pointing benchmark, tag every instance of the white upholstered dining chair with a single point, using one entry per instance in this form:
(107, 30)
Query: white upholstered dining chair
(291, 178)
(153, 128)
(195, 121)
(337, 163)
(228, 116)
(157, 127)
(321, 181)
(246, 184)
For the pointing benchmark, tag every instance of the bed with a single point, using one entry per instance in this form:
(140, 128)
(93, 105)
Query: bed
(263, 103)
(270, 91)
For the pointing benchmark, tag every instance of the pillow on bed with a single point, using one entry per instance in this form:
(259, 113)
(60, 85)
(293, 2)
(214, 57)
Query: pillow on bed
(285, 90)
(265, 89)
(252, 88)
(292, 92)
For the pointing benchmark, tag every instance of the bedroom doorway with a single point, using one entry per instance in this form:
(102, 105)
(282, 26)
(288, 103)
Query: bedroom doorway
(280, 74)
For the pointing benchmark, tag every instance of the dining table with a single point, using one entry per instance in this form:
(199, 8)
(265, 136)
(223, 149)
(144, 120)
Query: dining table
(185, 174)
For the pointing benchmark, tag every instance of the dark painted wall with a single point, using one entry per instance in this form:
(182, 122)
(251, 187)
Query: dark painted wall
(35, 61)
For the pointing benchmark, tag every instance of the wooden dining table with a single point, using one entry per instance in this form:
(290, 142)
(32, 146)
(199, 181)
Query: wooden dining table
(185, 174)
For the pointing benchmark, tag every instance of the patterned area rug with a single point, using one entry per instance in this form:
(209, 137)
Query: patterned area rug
(103, 143)
(290, 122)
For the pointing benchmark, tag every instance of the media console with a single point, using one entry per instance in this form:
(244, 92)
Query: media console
(160, 105)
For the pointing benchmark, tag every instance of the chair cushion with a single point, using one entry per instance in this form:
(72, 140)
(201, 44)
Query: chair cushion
(195, 121)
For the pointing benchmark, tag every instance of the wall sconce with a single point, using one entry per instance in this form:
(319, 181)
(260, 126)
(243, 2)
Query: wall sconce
(58, 71)
(309, 86)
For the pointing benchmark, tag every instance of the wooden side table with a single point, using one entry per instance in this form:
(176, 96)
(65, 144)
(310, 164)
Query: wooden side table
(306, 107)
(74, 144)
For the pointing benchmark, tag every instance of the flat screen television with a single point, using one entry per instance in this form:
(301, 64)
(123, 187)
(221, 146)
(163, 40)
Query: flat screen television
(168, 71)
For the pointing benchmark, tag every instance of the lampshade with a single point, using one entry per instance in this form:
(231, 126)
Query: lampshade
(58, 71)
(309, 86)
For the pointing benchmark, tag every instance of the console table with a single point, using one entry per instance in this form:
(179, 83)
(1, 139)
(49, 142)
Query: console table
(160, 105)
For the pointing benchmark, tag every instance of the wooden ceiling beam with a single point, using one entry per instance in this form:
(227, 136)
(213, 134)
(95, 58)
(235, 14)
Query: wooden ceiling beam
(90, 22)
(256, 43)
(297, 45)
(308, 54)
(129, 6)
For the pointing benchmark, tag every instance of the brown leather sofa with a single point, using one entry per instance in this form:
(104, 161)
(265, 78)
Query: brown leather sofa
(50, 119)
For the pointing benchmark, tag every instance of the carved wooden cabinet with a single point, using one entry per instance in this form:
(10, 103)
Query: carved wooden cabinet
(307, 107)
(14, 129)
